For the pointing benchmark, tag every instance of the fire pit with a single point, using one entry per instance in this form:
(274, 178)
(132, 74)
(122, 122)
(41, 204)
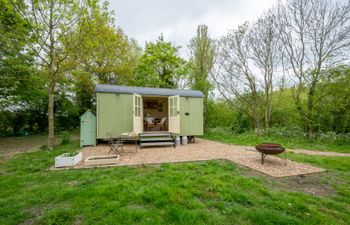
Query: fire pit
(269, 149)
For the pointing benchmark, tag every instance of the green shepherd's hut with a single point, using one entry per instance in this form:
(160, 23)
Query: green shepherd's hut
(125, 109)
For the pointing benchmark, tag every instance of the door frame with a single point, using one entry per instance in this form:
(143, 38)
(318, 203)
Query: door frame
(174, 114)
(137, 113)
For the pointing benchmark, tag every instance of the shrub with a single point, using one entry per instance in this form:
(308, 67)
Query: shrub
(343, 138)
(73, 153)
(332, 137)
(44, 147)
(328, 137)
(65, 136)
(293, 131)
(220, 131)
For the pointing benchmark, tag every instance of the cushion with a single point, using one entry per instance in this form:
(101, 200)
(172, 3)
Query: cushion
(149, 119)
(163, 120)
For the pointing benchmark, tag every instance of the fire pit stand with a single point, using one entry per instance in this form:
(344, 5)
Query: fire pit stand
(263, 156)
(270, 149)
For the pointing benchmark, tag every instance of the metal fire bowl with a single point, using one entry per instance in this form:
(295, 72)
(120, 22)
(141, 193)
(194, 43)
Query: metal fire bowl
(270, 149)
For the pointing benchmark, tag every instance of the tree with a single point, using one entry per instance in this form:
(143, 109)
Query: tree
(106, 52)
(160, 65)
(333, 105)
(315, 35)
(234, 77)
(20, 84)
(53, 25)
(264, 51)
(202, 51)
(247, 64)
(15, 59)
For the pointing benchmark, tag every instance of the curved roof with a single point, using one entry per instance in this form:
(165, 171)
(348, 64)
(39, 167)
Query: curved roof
(106, 88)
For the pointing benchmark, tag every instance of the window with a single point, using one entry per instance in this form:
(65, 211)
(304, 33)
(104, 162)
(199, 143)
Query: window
(173, 107)
(137, 109)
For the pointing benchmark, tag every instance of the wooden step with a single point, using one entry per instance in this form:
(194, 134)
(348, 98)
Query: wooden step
(148, 139)
(164, 143)
(160, 134)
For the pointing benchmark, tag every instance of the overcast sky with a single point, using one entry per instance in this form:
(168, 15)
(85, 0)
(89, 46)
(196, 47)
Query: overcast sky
(145, 20)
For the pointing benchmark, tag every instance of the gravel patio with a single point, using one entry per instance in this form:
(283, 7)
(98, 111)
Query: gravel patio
(203, 150)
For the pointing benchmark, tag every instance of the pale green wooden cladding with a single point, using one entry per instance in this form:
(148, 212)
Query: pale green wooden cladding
(191, 116)
(87, 129)
(114, 114)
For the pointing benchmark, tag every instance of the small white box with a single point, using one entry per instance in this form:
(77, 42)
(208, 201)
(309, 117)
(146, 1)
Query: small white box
(65, 160)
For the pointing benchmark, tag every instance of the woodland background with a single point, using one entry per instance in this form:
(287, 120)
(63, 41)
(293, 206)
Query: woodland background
(285, 75)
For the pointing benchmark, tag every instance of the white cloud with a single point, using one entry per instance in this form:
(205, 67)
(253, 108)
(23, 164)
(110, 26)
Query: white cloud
(178, 20)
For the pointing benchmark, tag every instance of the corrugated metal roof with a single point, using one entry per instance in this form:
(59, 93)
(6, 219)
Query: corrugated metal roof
(106, 88)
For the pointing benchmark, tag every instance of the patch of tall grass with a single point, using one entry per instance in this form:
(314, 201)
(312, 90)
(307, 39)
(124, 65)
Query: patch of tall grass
(292, 136)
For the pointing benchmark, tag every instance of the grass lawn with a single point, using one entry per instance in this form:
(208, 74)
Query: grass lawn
(252, 139)
(10, 146)
(213, 192)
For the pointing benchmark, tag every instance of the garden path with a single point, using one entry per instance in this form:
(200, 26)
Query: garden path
(319, 153)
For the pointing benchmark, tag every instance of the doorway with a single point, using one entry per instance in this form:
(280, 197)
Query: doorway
(155, 113)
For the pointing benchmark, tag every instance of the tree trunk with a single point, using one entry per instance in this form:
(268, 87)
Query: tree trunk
(310, 110)
(309, 130)
(51, 136)
(51, 94)
(318, 121)
(268, 108)
(255, 110)
(266, 120)
(256, 126)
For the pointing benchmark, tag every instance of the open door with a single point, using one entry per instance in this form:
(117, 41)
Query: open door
(174, 114)
(137, 117)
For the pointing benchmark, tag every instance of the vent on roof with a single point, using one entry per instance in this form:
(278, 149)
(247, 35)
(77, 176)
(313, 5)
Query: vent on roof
(111, 80)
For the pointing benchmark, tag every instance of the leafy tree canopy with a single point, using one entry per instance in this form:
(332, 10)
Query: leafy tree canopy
(15, 59)
(160, 65)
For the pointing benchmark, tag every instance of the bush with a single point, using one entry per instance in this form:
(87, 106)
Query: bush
(343, 138)
(290, 132)
(44, 147)
(285, 132)
(65, 136)
(328, 137)
(333, 138)
(220, 131)
(73, 153)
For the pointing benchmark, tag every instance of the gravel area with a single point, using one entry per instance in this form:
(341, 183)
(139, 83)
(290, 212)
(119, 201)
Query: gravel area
(319, 153)
(205, 150)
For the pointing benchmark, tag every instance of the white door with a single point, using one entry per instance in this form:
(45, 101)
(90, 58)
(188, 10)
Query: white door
(174, 114)
(138, 113)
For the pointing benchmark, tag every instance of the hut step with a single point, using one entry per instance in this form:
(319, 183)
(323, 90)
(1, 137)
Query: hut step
(164, 143)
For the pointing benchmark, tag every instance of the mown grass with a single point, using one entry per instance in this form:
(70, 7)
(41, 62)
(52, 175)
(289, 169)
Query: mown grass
(213, 192)
(13, 145)
(251, 138)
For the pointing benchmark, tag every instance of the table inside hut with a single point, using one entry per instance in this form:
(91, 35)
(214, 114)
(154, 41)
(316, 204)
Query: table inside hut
(155, 111)
(157, 119)
(155, 123)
